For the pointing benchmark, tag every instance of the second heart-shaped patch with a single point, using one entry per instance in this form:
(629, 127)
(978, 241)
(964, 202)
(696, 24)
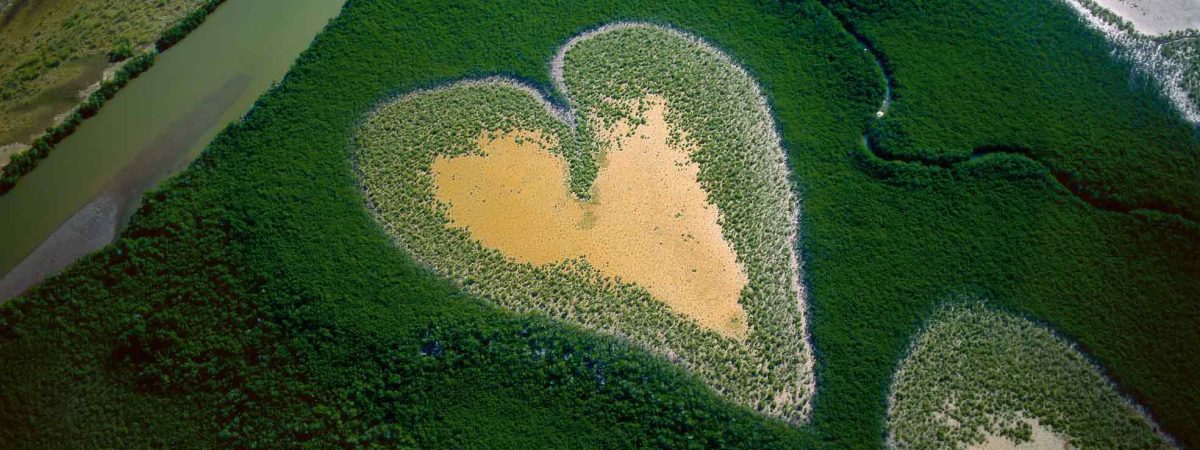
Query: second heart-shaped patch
(656, 208)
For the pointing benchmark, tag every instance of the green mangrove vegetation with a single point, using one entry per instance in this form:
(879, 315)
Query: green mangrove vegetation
(255, 301)
(975, 372)
(1125, 148)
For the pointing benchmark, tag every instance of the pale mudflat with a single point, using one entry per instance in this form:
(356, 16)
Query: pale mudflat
(1042, 439)
(8, 150)
(92, 227)
(1157, 16)
(648, 222)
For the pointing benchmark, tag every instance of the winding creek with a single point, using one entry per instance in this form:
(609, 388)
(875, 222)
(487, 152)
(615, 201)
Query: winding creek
(78, 198)
(1072, 186)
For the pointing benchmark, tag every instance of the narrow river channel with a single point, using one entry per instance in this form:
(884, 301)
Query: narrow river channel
(78, 198)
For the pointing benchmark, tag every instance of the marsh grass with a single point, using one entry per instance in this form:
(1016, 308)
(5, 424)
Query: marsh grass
(30, 108)
(41, 43)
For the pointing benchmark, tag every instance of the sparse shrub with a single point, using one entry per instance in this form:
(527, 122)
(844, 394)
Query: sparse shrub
(123, 50)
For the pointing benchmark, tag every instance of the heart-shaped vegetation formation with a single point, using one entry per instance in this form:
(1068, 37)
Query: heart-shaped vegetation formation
(656, 208)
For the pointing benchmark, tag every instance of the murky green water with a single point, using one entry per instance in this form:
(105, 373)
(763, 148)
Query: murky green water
(159, 122)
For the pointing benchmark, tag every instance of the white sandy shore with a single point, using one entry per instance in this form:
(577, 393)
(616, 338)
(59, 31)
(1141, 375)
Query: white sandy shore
(1154, 17)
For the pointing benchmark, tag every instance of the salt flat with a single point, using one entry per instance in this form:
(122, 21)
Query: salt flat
(1157, 16)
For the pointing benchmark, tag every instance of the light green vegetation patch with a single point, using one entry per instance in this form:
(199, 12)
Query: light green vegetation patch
(976, 372)
(713, 105)
(1186, 50)
(49, 50)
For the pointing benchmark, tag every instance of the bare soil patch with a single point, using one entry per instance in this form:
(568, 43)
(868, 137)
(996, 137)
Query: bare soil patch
(1042, 439)
(648, 222)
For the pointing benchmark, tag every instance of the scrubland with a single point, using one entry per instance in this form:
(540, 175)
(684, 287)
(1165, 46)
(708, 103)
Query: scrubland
(52, 50)
(34, 93)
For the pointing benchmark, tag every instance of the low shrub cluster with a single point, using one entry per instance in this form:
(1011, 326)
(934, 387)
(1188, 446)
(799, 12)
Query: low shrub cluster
(185, 25)
(713, 105)
(124, 50)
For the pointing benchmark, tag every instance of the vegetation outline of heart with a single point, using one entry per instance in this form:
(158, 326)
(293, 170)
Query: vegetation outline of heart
(656, 206)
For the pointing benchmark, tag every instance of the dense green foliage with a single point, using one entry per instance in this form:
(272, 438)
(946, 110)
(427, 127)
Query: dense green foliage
(1069, 104)
(274, 310)
(975, 372)
(185, 25)
(741, 166)
(124, 50)
(24, 162)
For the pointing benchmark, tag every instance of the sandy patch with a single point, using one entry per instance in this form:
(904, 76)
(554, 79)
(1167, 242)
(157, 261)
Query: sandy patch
(649, 221)
(1157, 16)
(8, 150)
(1042, 439)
